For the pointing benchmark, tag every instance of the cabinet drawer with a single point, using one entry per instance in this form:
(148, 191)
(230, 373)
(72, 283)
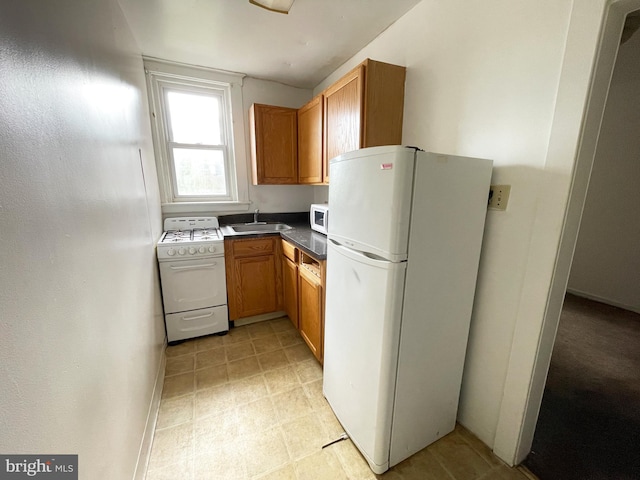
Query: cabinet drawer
(256, 246)
(196, 323)
(290, 251)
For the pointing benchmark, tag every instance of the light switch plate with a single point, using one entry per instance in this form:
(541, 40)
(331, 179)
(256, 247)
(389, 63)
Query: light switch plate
(499, 197)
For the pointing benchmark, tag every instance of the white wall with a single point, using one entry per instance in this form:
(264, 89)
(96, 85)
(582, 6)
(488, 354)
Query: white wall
(80, 311)
(274, 198)
(606, 263)
(491, 79)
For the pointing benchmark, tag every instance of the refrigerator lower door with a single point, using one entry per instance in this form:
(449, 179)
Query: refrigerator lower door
(362, 331)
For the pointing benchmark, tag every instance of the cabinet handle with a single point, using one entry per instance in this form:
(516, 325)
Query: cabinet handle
(192, 267)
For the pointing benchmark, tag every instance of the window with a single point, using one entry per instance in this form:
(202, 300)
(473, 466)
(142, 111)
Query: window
(199, 148)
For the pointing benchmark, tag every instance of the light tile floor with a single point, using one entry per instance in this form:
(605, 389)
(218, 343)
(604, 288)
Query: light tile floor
(249, 405)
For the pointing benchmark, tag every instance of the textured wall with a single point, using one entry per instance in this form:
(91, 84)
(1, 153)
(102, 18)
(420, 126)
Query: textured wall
(80, 312)
(491, 79)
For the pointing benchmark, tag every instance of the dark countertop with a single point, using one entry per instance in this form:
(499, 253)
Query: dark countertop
(301, 235)
(307, 240)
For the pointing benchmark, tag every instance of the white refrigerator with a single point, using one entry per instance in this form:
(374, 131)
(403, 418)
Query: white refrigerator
(404, 241)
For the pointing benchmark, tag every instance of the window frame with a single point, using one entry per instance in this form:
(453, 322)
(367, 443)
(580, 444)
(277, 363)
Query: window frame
(163, 77)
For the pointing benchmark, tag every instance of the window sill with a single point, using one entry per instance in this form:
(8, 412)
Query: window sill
(187, 208)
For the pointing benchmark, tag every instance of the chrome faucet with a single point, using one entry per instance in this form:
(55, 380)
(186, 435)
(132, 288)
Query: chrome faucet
(255, 218)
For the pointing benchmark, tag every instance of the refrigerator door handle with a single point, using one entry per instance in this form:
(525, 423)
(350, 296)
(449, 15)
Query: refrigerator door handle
(363, 257)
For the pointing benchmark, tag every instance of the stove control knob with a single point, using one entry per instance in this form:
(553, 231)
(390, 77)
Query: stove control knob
(212, 249)
(171, 252)
(181, 251)
(202, 249)
(192, 250)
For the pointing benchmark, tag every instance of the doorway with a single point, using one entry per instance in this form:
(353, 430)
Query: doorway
(589, 424)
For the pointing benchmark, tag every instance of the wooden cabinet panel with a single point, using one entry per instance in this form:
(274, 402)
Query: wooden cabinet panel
(310, 312)
(303, 285)
(363, 109)
(254, 276)
(343, 108)
(383, 104)
(274, 144)
(252, 247)
(310, 139)
(255, 289)
(289, 251)
(290, 289)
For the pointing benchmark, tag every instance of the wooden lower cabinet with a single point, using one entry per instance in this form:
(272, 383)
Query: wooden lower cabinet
(255, 285)
(254, 276)
(303, 285)
(290, 287)
(310, 312)
(267, 274)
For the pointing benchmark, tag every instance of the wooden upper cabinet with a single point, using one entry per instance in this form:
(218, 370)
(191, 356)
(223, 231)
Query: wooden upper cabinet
(364, 109)
(274, 144)
(342, 116)
(310, 142)
(383, 104)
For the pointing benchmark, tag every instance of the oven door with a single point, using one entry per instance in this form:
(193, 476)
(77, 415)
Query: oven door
(193, 284)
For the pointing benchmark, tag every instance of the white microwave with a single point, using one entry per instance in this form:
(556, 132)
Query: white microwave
(319, 216)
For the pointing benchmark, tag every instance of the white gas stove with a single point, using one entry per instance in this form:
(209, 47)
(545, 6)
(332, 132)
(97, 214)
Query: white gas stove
(192, 272)
(191, 238)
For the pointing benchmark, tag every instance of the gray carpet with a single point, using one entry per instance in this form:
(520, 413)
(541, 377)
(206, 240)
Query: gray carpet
(589, 422)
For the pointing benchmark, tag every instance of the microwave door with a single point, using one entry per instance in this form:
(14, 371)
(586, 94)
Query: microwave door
(319, 215)
(319, 219)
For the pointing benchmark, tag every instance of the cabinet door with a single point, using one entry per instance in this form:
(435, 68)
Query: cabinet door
(290, 287)
(255, 288)
(343, 108)
(384, 104)
(274, 144)
(254, 276)
(310, 142)
(310, 313)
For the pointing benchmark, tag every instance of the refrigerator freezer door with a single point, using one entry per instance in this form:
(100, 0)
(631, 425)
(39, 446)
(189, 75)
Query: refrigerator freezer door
(362, 331)
(370, 200)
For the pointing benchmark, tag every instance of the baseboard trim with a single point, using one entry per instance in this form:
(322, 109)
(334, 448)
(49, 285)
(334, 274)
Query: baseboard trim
(606, 301)
(258, 318)
(152, 417)
(526, 472)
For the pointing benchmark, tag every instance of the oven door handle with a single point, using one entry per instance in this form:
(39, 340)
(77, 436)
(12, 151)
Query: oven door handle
(198, 317)
(192, 267)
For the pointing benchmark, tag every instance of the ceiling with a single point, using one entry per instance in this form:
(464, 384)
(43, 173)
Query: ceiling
(299, 49)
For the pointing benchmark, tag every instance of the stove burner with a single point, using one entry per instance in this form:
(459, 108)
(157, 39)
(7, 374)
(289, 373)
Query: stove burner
(206, 234)
(190, 239)
(196, 235)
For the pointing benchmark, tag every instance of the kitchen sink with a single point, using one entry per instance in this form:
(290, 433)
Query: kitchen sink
(259, 227)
